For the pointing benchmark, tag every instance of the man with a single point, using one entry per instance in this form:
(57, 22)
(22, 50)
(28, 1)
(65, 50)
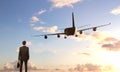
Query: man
(23, 56)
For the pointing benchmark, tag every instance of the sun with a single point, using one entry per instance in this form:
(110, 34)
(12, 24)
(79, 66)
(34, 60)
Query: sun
(112, 58)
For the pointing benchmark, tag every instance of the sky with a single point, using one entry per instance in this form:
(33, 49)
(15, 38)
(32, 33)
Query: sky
(90, 52)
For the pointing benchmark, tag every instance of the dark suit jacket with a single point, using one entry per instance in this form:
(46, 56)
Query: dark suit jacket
(23, 53)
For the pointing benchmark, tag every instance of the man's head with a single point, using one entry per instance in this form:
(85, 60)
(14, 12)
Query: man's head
(24, 42)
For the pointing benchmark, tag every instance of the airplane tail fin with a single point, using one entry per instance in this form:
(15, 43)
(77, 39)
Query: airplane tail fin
(73, 23)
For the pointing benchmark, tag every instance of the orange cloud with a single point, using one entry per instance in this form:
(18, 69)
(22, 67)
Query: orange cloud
(92, 68)
(88, 67)
(12, 66)
(115, 46)
(101, 40)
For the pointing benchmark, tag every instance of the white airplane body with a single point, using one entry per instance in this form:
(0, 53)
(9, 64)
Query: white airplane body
(70, 31)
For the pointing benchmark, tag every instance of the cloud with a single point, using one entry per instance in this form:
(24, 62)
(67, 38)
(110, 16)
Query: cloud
(81, 53)
(32, 66)
(12, 66)
(81, 37)
(95, 36)
(101, 40)
(88, 68)
(41, 11)
(28, 43)
(115, 46)
(42, 22)
(110, 39)
(46, 29)
(106, 41)
(87, 54)
(32, 24)
(100, 36)
(116, 11)
(34, 19)
(62, 3)
(8, 66)
(17, 50)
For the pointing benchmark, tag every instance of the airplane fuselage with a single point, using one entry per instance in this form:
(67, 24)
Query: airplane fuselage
(69, 31)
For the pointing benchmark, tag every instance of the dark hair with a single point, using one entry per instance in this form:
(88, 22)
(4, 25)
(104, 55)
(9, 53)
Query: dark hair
(24, 42)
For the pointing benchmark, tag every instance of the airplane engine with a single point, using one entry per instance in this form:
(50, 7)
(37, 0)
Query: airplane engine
(81, 32)
(65, 37)
(76, 35)
(58, 36)
(45, 37)
(95, 28)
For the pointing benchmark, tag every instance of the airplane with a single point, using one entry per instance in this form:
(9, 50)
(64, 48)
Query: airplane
(71, 31)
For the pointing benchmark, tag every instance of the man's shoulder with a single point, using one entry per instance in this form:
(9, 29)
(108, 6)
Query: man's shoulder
(23, 47)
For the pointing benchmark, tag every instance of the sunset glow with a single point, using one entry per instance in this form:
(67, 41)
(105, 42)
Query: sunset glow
(91, 51)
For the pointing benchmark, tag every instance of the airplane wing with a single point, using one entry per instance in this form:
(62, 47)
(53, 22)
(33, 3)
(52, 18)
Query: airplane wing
(94, 28)
(45, 35)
